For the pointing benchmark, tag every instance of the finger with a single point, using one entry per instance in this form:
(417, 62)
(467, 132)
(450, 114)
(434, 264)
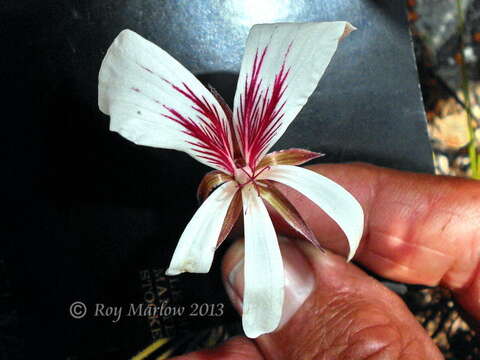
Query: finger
(420, 228)
(238, 348)
(333, 310)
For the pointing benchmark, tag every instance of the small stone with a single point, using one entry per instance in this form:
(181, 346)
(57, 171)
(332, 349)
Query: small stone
(442, 166)
(451, 131)
(469, 55)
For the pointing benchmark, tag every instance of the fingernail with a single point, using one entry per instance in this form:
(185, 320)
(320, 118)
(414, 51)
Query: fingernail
(299, 280)
(234, 286)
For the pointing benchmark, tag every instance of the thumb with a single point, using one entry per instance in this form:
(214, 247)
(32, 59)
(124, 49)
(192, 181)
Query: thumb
(332, 310)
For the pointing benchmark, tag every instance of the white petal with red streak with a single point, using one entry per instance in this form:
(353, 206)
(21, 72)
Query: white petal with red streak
(333, 199)
(305, 48)
(196, 247)
(264, 276)
(136, 88)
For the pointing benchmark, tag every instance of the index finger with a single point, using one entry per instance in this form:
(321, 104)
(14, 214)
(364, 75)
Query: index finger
(419, 228)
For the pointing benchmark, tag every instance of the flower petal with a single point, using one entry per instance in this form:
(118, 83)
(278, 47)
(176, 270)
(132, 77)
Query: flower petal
(282, 207)
(281, 68)
(231, 218)
(153, 100)
(264, 278)
(196, 247)
(229, 114)
(337, 202)
(210, 182)
(288, 157)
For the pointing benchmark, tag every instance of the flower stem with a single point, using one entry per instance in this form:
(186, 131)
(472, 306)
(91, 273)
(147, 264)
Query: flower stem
(472, 145)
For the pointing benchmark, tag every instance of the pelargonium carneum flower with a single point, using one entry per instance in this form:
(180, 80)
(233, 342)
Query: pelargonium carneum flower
(153, 100)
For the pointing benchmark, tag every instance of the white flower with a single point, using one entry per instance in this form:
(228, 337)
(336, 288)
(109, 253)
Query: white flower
(153, 100)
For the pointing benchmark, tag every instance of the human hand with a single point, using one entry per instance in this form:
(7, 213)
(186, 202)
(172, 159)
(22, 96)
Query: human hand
(419, 229)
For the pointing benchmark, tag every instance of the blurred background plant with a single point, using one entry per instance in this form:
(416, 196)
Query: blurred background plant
(446, 35)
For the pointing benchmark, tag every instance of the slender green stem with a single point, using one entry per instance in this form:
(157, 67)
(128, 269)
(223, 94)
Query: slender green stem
(472, 145)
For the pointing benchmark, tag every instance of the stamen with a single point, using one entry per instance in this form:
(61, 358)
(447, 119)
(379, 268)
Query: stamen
(245, 172)
(261, 171)
(252, 179)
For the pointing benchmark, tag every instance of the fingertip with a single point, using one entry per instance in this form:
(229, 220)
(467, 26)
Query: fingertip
(349, 315)
(236, 348)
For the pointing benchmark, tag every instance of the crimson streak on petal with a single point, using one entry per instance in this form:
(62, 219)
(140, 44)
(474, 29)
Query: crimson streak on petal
(214, 142)
(260, 112)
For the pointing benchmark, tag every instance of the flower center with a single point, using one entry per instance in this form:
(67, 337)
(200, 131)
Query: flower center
(244, 175)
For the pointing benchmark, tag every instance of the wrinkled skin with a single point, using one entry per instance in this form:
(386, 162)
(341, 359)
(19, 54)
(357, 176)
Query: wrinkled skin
(420, 229)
